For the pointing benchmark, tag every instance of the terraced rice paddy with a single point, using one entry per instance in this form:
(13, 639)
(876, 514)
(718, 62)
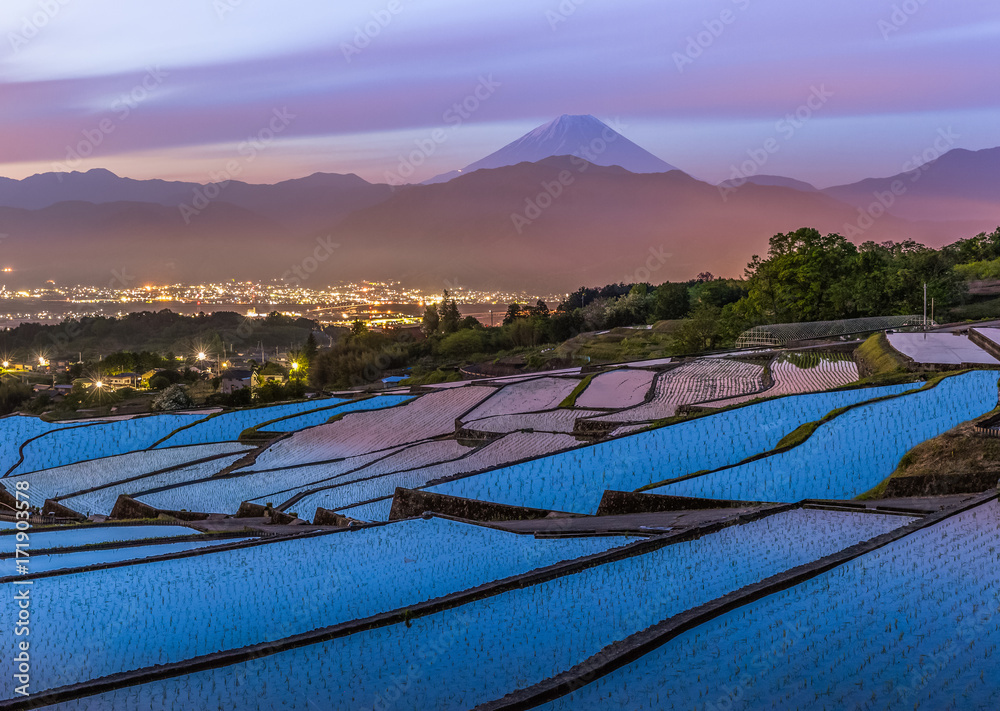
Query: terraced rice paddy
(805, 374)
(617, 389)
(695, 382)
(798, 605)
(93, 473)
(576, 480)
(590, 609)
(853, 452)
(429, 416)
(527, 396)
(847, 637)
(363, 573)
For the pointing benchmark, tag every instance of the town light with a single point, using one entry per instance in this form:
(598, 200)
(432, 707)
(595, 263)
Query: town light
(201, 355)
(99, 384)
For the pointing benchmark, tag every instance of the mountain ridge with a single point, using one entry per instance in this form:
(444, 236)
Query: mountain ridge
(583, 136)
(542, 226)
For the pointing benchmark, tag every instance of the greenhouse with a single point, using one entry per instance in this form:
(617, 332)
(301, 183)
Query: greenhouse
(781, 334)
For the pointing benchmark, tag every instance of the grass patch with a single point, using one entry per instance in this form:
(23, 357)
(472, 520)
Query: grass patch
(956, 453)
(877, 357)
(432, 377)
(619, 345)
(570, 400)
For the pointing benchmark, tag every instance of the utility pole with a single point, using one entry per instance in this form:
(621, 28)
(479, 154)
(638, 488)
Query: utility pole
(925, 305)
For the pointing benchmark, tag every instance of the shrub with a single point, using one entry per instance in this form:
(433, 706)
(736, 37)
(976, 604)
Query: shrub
(173, 398)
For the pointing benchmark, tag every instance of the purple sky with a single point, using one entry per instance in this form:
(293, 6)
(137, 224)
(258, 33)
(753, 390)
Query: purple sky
(176, 89)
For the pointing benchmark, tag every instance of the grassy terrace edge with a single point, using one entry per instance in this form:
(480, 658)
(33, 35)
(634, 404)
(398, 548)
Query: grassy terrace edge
(570, 400)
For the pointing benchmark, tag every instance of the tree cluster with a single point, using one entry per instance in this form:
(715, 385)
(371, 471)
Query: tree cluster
(160, 332)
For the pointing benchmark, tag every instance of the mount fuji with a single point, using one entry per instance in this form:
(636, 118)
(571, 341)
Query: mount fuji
(582, 136)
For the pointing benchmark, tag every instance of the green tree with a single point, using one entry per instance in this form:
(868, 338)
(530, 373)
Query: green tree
(631, 309)
(311, 349)
(272, 368)
(670, 301)
(13, 393)
(539, 309)
(431, 321)
(359, 329)
(699, 333)
(717, 292)
(470, 322)
(462, 344)
(449, 315)
(527, 332)
(806, 277)
(563, 325)
(514, 312)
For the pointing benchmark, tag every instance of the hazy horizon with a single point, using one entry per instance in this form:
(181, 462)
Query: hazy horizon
(698, 85)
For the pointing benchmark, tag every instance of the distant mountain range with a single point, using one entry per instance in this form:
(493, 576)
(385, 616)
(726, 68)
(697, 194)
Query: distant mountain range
(960, 185)
(545, 223)
(316, 200)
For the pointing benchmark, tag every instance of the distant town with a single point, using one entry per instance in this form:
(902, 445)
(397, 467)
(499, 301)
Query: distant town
(377, 303)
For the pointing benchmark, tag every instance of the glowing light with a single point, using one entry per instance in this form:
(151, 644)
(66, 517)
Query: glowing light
(201, 356)
(99, 384)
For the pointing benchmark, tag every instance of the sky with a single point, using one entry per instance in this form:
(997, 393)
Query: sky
(180, 90)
